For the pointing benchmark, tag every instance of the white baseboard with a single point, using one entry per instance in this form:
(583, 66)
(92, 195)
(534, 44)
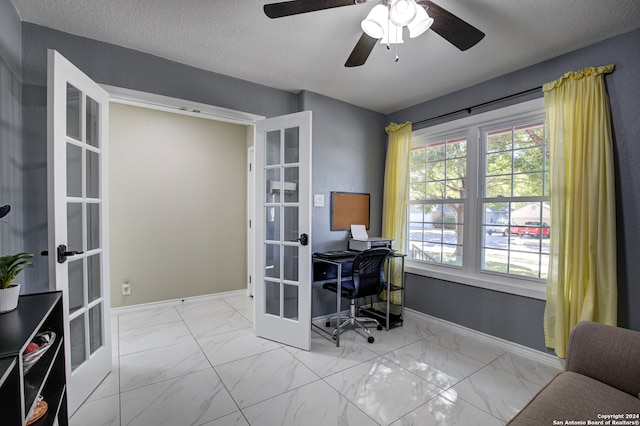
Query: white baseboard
(515, 348)
(173, 302)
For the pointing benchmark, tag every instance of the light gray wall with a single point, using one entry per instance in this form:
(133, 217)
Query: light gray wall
(517, 318)
(11, 160)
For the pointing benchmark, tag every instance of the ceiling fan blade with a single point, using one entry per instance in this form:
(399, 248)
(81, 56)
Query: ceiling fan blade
(453, 29)
(361, 52)
(288, 8)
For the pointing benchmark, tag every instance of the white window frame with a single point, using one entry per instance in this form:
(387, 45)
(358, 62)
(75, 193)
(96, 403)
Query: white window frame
(470, 273)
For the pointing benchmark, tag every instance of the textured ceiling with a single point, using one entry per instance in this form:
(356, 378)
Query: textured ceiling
(234, 37)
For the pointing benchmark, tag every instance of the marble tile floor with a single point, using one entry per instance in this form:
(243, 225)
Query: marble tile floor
(199, 363)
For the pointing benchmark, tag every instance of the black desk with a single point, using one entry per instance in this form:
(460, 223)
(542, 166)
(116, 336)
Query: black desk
(337, 266)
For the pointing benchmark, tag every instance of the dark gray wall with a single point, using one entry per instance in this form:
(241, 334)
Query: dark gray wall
(517, 318)
(11, 230)
(349, 147)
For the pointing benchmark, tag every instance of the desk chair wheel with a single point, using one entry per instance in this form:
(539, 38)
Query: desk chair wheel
(370, 339)
(379, 327)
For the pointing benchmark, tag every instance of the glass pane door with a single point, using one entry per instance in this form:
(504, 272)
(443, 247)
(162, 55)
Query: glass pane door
(78, 111)
(283, 305)
(83, 148)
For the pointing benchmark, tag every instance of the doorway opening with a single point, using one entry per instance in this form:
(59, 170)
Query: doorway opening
(178, 182)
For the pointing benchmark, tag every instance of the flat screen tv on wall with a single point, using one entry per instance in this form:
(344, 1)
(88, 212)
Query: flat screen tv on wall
(349, 208)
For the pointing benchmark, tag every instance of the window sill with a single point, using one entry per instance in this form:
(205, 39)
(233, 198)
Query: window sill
(531, 289)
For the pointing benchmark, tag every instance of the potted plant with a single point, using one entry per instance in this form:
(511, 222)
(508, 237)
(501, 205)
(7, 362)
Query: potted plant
(10, 267)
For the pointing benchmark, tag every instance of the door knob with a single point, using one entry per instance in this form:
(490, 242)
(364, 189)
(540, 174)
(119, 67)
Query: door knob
(63, 253)
(304, 239)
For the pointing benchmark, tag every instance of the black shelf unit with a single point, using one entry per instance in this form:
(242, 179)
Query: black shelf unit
(387, 313)
(374, 310)
(18, 391)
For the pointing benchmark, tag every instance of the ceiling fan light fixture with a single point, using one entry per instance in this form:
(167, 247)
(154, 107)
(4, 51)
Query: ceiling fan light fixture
(402, 12)
(421, 23)
(392, 34)
(374, 25)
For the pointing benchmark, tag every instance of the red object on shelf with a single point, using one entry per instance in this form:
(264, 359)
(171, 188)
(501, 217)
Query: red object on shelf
(30, 348)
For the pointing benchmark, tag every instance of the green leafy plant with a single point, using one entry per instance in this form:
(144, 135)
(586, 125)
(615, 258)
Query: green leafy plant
(11, 266)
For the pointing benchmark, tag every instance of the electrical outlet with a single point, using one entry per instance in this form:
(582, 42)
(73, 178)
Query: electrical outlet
(126, 288)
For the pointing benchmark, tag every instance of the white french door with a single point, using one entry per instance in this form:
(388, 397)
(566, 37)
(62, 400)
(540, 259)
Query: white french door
(283, 223)
(77, 119)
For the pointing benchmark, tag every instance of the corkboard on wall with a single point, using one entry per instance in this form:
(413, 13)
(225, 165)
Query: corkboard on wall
(349, 208)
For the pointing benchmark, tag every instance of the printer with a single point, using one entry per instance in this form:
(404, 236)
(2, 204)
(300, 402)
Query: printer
(360, 240)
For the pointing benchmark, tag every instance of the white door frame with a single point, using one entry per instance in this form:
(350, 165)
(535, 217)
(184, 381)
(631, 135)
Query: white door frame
(251, 195)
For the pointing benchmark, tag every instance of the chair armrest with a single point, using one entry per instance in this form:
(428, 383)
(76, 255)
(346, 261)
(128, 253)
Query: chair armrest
(605, 353)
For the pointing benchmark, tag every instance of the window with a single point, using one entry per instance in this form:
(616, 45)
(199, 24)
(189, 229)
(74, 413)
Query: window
(516, 193)
(478, 207)
(437, 193)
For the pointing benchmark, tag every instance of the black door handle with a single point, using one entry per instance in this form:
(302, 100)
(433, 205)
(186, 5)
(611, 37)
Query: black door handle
(304, 239)
(63, 253)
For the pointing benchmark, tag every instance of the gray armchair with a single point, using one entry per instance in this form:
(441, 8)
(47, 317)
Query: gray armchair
(601, 378)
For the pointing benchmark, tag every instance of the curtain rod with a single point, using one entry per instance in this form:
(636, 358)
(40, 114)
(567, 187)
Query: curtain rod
(469, 109)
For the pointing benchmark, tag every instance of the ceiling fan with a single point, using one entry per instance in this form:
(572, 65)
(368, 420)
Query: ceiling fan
(453, 29)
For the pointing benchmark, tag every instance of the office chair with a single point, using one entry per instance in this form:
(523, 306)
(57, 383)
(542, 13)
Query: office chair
(367, 280)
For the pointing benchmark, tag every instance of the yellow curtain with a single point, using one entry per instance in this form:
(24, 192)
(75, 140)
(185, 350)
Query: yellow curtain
(396, 183)
(582, 283)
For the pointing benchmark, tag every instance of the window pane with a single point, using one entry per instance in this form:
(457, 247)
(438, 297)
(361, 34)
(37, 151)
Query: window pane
(74, 171)
(528, 160)
(92, 123)
(436, 152)
(291, 187)
(291, 263)
(519, 247)
(457, 148)
(93, 277)
(93, 175)
(77, 342)
(499, 163)
(436, 232)
(290, 301)
(499, 140)
(455, 188)
(417, 191)
(93, 226)
(498, 186)
(292, 145)
(272, 260)
(272, 298)
(272, 223)
(76, 284)
(73, 112)
(272, 148)
(529, 135)
(95, 328)
(456, 168)
(435, 190)
(527, 185)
